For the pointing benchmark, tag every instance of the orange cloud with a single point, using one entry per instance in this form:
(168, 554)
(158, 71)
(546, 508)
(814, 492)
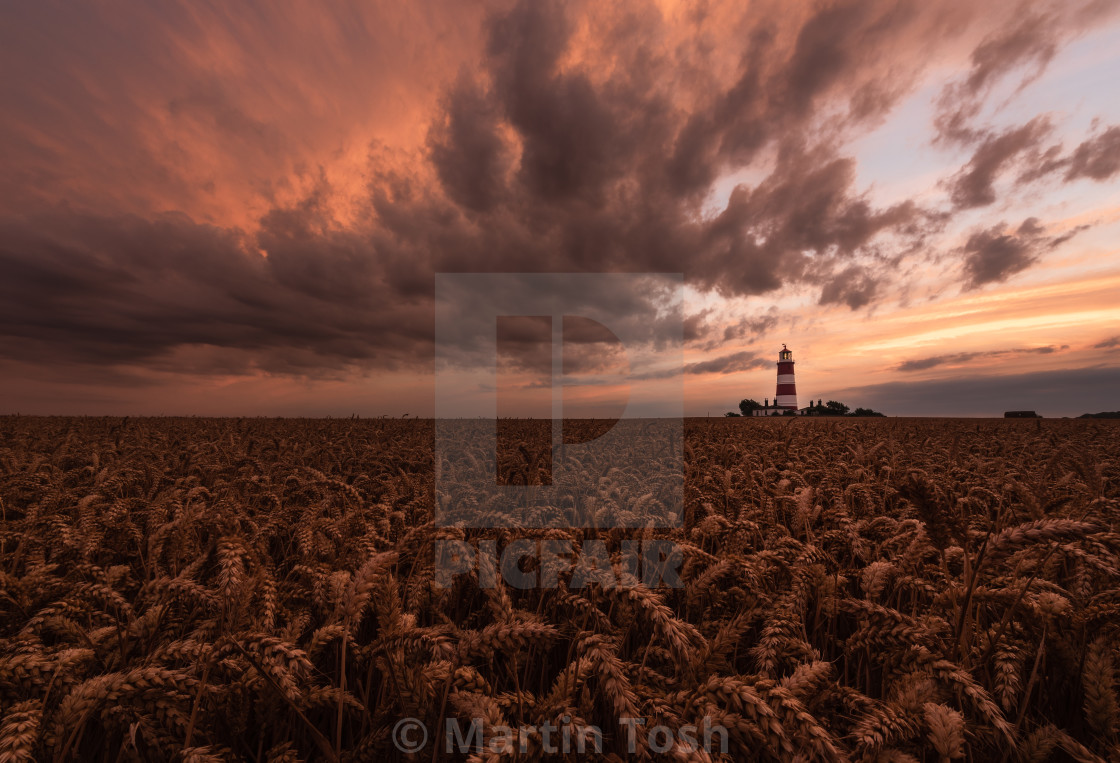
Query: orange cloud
(154, 156)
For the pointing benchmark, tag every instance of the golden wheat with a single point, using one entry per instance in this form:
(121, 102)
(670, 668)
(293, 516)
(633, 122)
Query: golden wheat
(893, 590)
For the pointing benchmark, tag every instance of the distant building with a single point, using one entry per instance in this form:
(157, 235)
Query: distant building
(1021, 415)
(814, 409)
(767, 409)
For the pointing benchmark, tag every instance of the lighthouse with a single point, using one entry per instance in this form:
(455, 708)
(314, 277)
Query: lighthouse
(786, 396)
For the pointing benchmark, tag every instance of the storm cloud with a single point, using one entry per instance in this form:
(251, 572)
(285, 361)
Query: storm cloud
(184, 212)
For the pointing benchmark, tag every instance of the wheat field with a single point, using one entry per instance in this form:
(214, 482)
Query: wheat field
(263, 590)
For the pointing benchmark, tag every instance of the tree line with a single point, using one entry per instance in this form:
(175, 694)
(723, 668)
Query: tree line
(747, 407)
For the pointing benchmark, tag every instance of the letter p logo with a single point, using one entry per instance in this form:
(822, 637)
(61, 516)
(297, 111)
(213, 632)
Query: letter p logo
(545, 450)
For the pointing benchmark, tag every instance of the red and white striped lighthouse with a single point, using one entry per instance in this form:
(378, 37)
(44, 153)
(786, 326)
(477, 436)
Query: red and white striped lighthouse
(786, 396)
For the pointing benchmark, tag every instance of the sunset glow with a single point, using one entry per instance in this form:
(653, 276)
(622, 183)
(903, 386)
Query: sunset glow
(241, 209)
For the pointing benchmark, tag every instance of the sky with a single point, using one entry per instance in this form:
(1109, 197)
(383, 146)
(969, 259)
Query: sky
(243, 209)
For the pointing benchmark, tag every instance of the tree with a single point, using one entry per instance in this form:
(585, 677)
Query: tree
(835, 408)
(748, 405)
(731, 414)
(865, 412)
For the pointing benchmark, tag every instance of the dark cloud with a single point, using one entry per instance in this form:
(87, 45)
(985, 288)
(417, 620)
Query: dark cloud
(1026, 43)
(729, 364)
(732, 363)
(1047, 392)
(996, 253)
(993, 255)
(1097, 158)
(835, 56)
(598, 311)
(1026, 46)
(1107, 344)
(750, 328)
(973, 186)
(704, 331)
(855, 287)
(610, 169)
(469, 153)
(591, 348)
(922, 364)
(696, 326)
(524, 344)
(131, 290)
(562, 146)
(573, 141)
(1040, 163)
(1031, 41)
(806, 206)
